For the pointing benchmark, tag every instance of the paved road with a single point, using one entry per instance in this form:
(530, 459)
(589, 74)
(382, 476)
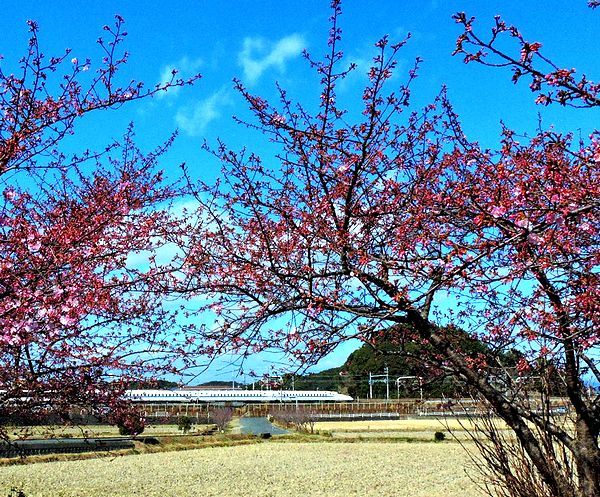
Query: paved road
(256, 426)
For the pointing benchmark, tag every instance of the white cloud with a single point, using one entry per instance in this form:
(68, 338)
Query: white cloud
(185, 68)
(195, 120)
(259, 54)
(163, 254)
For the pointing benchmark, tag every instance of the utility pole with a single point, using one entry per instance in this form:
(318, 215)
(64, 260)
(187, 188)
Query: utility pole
(370, 385)
(294, 389)
(387, 383)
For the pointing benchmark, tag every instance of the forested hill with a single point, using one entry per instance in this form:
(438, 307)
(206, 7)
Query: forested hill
(401, 360)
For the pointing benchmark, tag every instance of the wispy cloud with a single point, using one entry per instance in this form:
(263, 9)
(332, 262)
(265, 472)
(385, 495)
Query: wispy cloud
(186, 67)
(258, 55)
(195, 120)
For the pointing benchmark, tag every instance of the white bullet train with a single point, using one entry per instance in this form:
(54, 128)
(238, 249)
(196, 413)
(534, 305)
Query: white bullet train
(235, 396)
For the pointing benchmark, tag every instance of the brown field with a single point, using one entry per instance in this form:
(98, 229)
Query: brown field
(365, 469)
(92, 431)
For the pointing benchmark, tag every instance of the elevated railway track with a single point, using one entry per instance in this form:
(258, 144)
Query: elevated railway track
(160, 413)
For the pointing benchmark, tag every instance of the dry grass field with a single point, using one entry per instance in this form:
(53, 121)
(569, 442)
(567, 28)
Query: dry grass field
(403, 425)
(417, 429)
(290, 469)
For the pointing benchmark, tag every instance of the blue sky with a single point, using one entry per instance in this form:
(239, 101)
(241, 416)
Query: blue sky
(260, 42)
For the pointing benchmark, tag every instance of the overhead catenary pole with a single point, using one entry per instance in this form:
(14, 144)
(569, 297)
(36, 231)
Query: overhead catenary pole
(402, 378)
(379, 378)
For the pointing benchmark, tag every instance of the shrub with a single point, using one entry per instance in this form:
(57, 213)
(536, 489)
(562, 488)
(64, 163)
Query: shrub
(184, 423)
(131, 425)
(439, 436)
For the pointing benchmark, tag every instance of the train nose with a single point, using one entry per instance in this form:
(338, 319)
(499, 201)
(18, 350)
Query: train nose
(346, 397)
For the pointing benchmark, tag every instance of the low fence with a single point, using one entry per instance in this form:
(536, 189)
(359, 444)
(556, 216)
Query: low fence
(357, 416)
(168, 413)
(336, 409)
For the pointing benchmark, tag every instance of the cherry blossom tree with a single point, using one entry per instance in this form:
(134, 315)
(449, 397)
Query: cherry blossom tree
(396, 222)
(221, 416)
(77, 317)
